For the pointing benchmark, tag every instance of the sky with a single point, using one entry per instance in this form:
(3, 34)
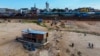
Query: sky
(71, 4)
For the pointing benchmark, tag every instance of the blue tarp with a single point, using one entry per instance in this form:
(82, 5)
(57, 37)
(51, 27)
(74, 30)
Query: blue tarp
(40, 20)
(33, 31)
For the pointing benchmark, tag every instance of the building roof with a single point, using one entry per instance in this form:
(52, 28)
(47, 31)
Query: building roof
(33, 31)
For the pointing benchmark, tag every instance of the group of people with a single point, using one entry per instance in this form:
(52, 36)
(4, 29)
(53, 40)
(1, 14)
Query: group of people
(91, 45)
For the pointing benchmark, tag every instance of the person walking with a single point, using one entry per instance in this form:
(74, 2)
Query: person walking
(89, 45)
(92, 46)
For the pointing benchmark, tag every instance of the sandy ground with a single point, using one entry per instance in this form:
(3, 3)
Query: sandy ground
(59, 40)
(8, 33)
(81, 43)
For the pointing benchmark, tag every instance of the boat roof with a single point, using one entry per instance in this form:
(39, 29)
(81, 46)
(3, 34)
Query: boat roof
(33, 31)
